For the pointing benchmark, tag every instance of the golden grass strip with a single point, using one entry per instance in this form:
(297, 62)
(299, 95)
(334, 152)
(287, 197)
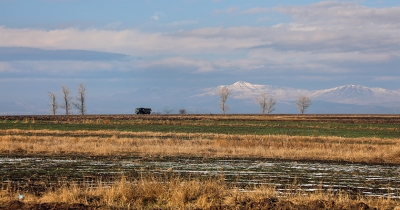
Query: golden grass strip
(151, 192)
(369, 150)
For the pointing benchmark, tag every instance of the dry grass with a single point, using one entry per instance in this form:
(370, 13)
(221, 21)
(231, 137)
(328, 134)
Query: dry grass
(178, 193)
(370, 150)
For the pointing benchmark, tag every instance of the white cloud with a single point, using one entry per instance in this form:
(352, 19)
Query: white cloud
(231, 65)
(131, 42)
(347, 13)
(323, 37)
(64, 67)
(199, 64)
(6, 67)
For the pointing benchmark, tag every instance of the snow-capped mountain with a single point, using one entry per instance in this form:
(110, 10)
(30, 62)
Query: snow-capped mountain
(245, 90)
(347, 94)
(357, 94)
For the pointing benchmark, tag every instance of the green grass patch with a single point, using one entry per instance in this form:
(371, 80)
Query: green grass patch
(221, 127)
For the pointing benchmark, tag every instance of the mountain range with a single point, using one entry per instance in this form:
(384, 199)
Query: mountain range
(347, 94)
(347, 99)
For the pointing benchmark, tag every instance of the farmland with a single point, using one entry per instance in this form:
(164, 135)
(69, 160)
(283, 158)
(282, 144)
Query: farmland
(346, 159)
(381, 126)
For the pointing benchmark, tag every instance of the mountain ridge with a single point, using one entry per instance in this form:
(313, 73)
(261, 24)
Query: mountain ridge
(346, 94)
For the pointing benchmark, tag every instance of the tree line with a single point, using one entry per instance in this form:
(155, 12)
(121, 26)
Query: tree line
(67, 103)
(267, 104)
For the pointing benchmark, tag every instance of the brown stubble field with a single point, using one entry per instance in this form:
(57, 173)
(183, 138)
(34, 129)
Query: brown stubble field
(103, 143)
(83, 137)
(285, 137)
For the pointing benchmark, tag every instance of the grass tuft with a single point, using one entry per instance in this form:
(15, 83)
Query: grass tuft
(172, 192)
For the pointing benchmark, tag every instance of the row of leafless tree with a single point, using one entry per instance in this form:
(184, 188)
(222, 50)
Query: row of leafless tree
(266, 103)
(67, 102)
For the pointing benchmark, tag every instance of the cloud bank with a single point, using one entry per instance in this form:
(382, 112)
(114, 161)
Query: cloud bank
(329, 36)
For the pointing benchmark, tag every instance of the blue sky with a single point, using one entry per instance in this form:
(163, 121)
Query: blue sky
(115, 46)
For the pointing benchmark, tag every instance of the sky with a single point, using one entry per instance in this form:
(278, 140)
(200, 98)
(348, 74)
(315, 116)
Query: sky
(117, 46)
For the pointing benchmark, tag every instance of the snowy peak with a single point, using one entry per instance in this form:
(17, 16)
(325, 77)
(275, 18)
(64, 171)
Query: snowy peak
(246, 90)
(357, 94)
(244, 85)
(356, 89)
(241, 86)
(346, 94)
(345, 91)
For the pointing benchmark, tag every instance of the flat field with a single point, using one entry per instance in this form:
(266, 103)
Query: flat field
(381, 126)
(216, 150)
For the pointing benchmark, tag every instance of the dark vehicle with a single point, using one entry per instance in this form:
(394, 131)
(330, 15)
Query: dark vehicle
(143, 111)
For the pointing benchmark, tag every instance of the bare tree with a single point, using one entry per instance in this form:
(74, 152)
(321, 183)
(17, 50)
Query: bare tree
(81, 104)
(224, 93)
(267, 104)
(182, 111)
(53, 102)
(270, 105)
(303, 103)
(66, 99)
